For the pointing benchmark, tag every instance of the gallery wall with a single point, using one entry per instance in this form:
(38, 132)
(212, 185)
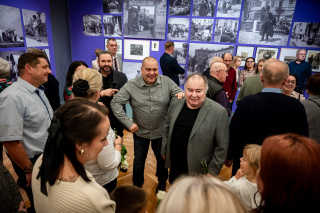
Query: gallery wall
(15, 15)
(83, 46)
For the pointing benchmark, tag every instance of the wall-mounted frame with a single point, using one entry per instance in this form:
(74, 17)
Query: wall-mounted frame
(313, 57)
(119, 44)
(155, 45)
(244, 52)
(136, 49)
(266, 53)
(287, 55)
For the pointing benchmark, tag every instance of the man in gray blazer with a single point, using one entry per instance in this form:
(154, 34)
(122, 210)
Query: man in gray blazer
(197, 130)
(116, 58)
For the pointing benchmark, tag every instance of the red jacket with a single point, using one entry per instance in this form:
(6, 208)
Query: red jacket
(230, 85)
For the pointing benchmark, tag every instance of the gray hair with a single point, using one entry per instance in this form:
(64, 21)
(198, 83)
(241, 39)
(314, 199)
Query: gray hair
(275, 72)
(205, 80)
(5, 67)
(299, 50)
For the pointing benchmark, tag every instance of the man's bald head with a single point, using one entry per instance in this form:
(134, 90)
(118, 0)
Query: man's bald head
(220, 71)
(214, 60)
(148, 59)
(275, 73)
(269, 60)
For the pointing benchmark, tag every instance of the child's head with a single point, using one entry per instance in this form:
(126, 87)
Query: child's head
(130, 199)
(250, 161)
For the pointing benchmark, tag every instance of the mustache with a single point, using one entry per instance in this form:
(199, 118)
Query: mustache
(107, 66)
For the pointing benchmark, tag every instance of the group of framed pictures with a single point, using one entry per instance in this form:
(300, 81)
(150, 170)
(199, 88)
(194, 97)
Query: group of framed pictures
(287, 55)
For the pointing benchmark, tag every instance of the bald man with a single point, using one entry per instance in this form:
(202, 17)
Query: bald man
(212, 61)
(149, 95)
(216, 92)
(252, 85)
(267, 113)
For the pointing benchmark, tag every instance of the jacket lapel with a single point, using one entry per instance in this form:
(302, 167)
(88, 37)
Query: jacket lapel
(201, 116)
(175, 114)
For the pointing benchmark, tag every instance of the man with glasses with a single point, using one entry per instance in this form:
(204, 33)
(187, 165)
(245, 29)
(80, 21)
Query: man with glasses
(301, 69)
(218, 75)
(230, 85)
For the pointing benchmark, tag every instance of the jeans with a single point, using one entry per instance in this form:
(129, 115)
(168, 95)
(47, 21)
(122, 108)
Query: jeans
(141, 146)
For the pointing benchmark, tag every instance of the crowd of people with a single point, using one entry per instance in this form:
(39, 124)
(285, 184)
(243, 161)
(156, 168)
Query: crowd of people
(71, 155)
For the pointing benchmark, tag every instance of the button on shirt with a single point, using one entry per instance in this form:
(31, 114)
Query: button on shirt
(149, 104)
(25, 117)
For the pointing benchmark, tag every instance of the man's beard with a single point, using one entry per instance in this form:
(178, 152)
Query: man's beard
(104, 69)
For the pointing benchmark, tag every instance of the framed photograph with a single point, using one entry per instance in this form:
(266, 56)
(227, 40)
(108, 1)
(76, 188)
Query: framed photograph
(12, 57)
(136, 49)
(287, 55)
(132, 69)
(305, 34)
(92, 25)
(155, 45)
(266, 23)
(111, 6)
(179, 7)
(178, 29)
(313, 57)
(226, 30)
(11, 34)
(201, 8)
(229, 8)
(182, 77)
(35, 28)
(145, 19)
(112, 26)
(266, 53)
(244, 52)
(201, 53)
(201, 29)
(119, 44)
(180, 52)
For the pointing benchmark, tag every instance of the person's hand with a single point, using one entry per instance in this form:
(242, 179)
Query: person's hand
(208, 175)
(228, 163)
(180, 95)
(28, 177)
(134, 128)
(227, 94)
(100, 103)
(21, 207)
(240, 174)
(108, 92)
(230, 100)
(164, 157)
(118, 140)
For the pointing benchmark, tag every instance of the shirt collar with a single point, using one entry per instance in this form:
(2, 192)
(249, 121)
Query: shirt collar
(274, 90)
(28, 86)
(143, 83)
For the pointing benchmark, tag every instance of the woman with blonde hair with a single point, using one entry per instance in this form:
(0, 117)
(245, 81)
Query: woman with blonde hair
(236, 64)
(87, 84)
(200, 194)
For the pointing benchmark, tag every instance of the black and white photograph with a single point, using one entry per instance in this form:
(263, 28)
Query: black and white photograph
(201, 29)
(305, 34)
(179, 7)
(131, 69)
(313, 57)
(244, 52)
(155, 45)
(35, 28)
(226, 30)
(178, 29)
(229, 8)
(180, 52)
(119, 45)
(266, 22)
(266, 53)
(12, 57)
(92, 25)
(136, 49)
(144, 19)
(287, 55)
(182, 77)
(204, 8)
(112, 6)
(11, 34)
(201, 53)
(112, 26)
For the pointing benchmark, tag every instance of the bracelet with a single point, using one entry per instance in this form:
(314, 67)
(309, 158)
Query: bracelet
(28, 170)
(117, 144)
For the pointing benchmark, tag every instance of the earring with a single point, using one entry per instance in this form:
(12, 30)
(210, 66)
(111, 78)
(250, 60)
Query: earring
(82, 152)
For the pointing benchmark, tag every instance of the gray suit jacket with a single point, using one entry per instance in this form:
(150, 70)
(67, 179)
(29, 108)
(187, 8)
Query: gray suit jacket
(313, 116)
(119, 58)
(209, 139)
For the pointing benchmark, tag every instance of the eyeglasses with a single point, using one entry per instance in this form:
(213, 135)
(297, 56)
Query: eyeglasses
(250, 61)
(291, 82)
(302, 54)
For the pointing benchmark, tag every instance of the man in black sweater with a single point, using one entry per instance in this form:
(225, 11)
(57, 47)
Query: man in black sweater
(266, 113)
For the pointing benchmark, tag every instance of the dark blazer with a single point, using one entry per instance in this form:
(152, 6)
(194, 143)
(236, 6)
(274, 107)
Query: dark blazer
(170, 67)
(209, 138)
(119, 78)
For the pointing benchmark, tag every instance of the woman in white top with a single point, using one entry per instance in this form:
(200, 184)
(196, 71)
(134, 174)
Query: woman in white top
(87, 84)
(244, 183)
(236, 65)
(59, 181)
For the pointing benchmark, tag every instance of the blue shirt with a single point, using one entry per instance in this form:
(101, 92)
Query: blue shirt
(274, 90)
(302, 71)
(25, 117)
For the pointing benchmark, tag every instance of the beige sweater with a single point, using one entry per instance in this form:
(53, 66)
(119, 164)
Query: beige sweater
(78, 196)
